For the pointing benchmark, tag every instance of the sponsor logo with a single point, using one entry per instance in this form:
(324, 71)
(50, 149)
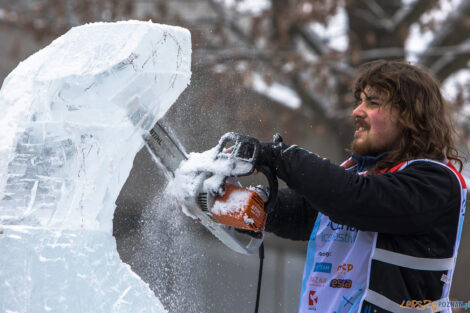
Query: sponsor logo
(338, 237)
(340, 283)
(325, 254)
(435, 306)
(335, 227)
(316, 281)
(341, 233)
(322, 267)
(312, 300)
(344, 268)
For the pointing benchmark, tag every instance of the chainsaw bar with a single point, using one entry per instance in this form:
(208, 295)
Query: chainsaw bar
(168, 153)
(165, 149)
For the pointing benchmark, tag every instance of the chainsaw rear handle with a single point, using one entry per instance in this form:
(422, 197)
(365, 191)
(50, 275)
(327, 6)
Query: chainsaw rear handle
(273, 188)
(246, 149)
(272, 179)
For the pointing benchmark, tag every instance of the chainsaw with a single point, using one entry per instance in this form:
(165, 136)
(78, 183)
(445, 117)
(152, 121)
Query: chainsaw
(236, 215)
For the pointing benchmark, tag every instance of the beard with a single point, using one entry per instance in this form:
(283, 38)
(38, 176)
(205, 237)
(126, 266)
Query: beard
(364, 148)
(365, 145)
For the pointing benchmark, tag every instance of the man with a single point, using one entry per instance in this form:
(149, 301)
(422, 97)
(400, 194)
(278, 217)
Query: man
(384, 227)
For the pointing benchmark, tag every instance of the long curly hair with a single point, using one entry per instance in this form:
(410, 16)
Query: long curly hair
(424, 115)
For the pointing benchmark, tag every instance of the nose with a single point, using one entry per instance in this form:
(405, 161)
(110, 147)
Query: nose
(359, 111)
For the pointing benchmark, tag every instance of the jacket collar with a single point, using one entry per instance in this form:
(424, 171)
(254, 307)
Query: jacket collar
(363, 162)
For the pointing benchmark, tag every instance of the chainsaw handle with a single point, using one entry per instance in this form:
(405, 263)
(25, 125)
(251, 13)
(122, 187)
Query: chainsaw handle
(273, 188)
(245, 150)
(271, 175)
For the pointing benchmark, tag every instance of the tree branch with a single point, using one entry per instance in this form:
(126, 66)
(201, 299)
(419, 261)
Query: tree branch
(410, 14)
(368, 17)
(381, 15)
(453, 33)
(207, 56)
(398, 52)
(452, 62)
(229, 22)
(310, 38)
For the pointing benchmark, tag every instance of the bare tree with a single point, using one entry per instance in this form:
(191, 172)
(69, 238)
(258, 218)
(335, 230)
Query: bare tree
(278, 40)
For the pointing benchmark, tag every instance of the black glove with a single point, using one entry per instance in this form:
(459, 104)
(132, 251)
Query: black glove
(245, 148)
(269, 152)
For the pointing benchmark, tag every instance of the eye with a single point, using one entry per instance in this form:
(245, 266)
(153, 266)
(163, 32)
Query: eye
(357, 102)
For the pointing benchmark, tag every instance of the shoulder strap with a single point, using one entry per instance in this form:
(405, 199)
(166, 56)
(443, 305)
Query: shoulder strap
(447, 164)
(457, 173)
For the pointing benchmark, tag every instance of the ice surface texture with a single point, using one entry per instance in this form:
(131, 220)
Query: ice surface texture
(72, 118)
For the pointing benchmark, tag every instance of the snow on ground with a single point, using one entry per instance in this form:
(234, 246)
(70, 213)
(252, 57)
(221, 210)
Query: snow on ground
(72, 120)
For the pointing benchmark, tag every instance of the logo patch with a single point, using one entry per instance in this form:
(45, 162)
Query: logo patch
(325, 254)
(317, 281)
(344, 268)
(335, 227)
(340, 283)
(341, 233)
(338, 237)
(322, 267)
(312, 300)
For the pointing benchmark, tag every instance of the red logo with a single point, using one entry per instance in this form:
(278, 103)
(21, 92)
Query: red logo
(312, 300)
(317, 281)
(344, 268)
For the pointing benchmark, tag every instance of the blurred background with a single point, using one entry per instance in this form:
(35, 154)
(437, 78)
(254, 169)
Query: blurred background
(258, 67)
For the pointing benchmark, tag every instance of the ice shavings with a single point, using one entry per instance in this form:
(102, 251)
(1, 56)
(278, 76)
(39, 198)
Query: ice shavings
(235, 203)
(203, 173)
(72, 119)
(247, 220)
(191, 178)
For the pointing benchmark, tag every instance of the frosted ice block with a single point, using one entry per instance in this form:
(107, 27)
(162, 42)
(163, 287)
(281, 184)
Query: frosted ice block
(72, 118)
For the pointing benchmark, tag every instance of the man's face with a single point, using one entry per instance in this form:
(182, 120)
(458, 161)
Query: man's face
(375, 122)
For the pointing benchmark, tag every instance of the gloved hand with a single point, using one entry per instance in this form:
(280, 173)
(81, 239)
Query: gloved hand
(269, 152)
(245, 148)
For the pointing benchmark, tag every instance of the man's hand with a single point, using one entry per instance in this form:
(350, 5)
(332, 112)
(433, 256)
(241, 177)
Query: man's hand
(269, 152)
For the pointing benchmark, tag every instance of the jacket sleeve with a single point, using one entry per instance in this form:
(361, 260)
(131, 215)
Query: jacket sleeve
(293, 217)
(404, 202)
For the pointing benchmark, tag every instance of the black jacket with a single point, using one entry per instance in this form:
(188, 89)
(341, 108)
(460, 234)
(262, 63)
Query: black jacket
(414, 211)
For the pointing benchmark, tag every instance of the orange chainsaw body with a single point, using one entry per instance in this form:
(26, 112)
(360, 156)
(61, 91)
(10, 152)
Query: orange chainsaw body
(241, 208)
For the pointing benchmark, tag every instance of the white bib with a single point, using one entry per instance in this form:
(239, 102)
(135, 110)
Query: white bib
(334, 280)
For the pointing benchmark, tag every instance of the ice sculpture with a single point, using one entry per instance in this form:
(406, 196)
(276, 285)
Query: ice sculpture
(72, 118)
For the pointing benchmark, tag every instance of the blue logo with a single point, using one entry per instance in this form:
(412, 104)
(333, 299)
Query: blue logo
(322, 267)
(338, 237)
(341, 233)
(335, 226)
(340, 283)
